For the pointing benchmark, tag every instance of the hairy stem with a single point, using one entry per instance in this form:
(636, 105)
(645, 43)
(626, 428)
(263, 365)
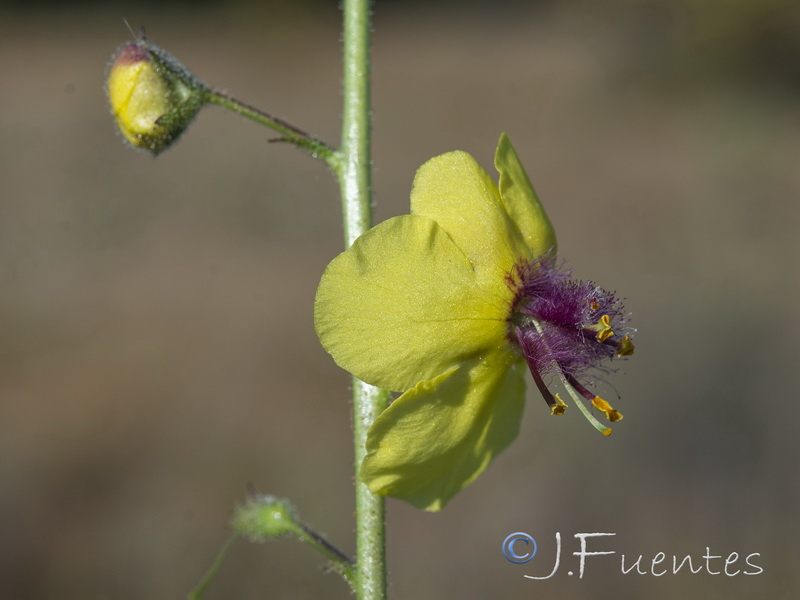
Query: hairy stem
(212, 572)
(289, 132)
(355, 180)
(339, 560)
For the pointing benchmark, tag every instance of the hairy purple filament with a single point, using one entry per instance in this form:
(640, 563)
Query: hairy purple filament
(566, 327)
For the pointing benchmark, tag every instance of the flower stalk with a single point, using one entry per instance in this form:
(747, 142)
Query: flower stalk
(201, 587)
(289, 133)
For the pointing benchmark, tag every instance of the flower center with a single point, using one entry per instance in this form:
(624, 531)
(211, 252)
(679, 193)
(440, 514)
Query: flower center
(565, 327)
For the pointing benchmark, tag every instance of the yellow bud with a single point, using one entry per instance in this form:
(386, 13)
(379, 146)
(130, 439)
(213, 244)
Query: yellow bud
(152, 97)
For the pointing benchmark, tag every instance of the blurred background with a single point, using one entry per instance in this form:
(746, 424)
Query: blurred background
(157, 352)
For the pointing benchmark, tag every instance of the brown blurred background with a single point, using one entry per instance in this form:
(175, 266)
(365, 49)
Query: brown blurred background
(156, 344)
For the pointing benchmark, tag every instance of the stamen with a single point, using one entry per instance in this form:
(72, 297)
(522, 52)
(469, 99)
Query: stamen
(556, 404)
(611, 414)
(560, 408)
(565, 327)
(602, 328)
(606, 431)
(600, 404)
(624, 346)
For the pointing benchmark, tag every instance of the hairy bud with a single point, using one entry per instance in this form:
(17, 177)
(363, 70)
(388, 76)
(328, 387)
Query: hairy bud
(153, 97)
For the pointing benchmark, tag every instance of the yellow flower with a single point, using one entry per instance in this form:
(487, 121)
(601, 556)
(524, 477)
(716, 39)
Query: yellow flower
(438, 305)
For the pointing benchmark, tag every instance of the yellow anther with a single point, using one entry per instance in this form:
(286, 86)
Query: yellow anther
(559, 408)
(611, 414)
(625, 347)
(603, 328)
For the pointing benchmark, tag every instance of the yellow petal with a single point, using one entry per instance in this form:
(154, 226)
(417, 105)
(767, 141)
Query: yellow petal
(139, 95)
(438, 437)
(453, 190)
(520, 200)
(403, 305)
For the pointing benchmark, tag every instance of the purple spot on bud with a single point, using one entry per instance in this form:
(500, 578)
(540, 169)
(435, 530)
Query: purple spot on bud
(130, 54)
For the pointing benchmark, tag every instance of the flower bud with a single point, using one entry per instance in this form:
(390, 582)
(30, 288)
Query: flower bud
(152, 96)
(265, 517)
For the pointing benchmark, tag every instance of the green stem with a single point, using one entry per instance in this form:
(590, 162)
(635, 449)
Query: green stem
(355, 180)
(339, 560)
(355, 173)
(290, 133)
(209, 576)
(368, 403)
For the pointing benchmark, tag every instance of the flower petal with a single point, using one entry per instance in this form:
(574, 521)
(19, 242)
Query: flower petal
(438, 437)
(453, 190)
(403, 305)
(521, 202)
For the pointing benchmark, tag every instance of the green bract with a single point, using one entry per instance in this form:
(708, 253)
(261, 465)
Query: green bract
(421, 304)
